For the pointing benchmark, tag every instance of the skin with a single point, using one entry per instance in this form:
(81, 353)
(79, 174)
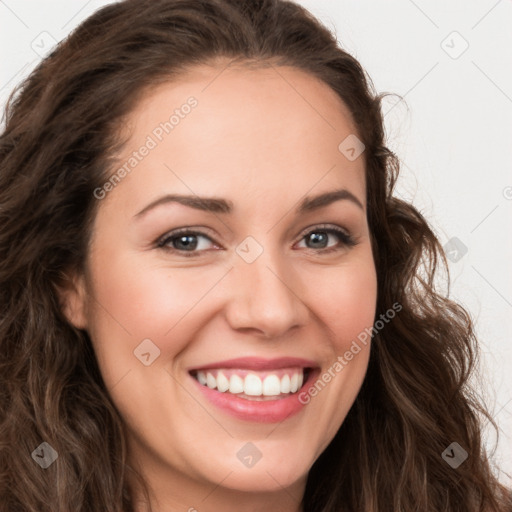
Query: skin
(262, 139)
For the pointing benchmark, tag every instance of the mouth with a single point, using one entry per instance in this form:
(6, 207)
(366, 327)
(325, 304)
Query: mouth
(252, 384)
(255, 389)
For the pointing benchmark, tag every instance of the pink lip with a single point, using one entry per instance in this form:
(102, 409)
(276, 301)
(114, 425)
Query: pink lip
(264, 411)
(258, 363)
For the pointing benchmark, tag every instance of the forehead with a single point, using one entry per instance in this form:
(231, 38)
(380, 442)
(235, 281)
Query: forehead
(227, 85)
(249, 128)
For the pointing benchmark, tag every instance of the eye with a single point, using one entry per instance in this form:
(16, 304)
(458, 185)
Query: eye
(321, 236)
(186, 241)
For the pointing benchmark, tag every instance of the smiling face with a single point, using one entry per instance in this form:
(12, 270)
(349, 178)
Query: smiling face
(256, 287)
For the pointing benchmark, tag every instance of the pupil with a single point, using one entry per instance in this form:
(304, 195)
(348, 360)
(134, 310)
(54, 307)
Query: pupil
(318, 238)
(187, 242)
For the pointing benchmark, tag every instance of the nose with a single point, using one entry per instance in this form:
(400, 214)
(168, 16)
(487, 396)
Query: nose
(265, 297)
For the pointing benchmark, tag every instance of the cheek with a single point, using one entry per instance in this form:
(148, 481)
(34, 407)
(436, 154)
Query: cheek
(346, 301)
(132, 301)
(150, 301)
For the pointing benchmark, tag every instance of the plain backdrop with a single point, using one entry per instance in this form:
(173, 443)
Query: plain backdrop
(450, 62)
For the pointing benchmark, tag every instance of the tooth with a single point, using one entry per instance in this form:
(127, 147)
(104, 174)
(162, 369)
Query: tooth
(201, 377)
(236, 384)
(253, 385)
(301, 380)
(211, 381)
(294, 383)
(222, 382)
(285, 384)
(271, 385)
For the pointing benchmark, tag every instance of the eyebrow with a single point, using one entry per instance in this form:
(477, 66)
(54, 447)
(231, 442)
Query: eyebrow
(217, 205)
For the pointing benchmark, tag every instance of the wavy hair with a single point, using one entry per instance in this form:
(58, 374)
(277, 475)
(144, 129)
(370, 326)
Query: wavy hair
(59, 141)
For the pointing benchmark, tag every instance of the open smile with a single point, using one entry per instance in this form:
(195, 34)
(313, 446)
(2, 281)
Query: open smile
(255, 389)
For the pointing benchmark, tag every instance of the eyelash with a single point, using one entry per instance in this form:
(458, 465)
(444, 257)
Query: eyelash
(346, 240)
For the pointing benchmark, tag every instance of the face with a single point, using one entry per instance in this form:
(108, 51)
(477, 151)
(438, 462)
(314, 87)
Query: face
(223, 283)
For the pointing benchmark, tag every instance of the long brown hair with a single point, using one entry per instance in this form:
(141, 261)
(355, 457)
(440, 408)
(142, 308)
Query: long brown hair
(57, 148)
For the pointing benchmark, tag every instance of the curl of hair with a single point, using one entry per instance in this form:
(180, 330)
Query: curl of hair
(59, 143)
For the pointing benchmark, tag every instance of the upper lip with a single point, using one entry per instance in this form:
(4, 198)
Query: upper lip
(258, 363)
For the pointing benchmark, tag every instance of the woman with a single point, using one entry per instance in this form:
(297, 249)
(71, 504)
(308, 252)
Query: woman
(211, 299)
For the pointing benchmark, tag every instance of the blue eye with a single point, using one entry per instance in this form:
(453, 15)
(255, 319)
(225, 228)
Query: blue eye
(319, 239)
(187, 242)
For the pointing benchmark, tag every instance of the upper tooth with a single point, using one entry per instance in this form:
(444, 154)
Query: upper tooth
(285, 384)
(211, 381)
(271, 385)
(300, 380)
(201, 377)
(222, 382)
(253, 385)
(236, 384)
(294, 383)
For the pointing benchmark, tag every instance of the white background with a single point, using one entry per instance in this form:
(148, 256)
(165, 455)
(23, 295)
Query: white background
(452, 132)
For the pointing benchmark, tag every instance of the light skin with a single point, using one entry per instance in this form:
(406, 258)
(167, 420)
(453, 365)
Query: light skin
(263, 140)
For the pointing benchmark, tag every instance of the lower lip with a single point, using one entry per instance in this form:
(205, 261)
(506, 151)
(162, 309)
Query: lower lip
(264, 411)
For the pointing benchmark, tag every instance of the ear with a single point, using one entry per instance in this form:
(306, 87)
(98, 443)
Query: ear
(73, 299)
